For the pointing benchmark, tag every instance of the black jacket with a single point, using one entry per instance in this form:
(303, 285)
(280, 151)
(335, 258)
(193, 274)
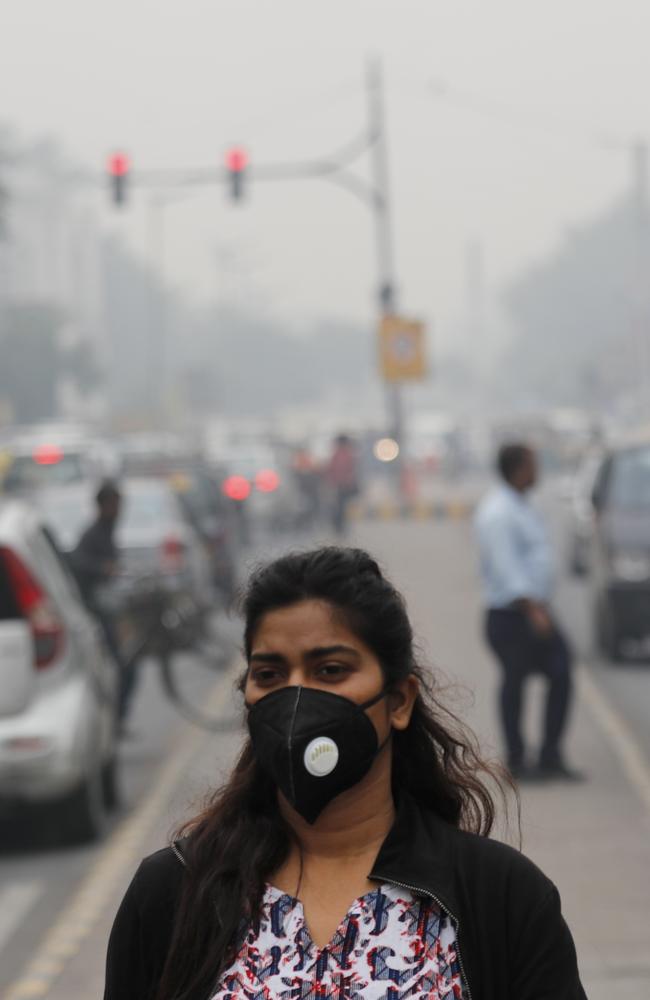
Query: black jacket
(88, 560)
(513, 941)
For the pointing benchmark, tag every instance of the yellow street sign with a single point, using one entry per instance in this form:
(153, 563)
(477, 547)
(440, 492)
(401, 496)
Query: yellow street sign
(402, 349)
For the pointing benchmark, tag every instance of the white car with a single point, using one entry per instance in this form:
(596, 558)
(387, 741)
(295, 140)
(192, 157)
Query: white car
(59, 686)
(50, 455)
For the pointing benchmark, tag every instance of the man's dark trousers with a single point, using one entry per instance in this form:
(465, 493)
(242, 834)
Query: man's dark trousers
(522, 652)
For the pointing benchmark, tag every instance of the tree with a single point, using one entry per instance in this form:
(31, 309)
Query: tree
(244, 363)
(32, 361)
(579, 314)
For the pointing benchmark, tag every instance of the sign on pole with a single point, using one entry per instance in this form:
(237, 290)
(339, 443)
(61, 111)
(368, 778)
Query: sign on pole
(402, 349)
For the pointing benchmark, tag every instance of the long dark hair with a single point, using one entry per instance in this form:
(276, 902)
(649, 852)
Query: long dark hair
(240, 839)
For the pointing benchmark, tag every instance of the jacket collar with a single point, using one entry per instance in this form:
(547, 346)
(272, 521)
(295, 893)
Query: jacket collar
(419, 854)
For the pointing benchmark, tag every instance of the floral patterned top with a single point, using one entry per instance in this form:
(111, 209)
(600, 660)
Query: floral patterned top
(390, 945)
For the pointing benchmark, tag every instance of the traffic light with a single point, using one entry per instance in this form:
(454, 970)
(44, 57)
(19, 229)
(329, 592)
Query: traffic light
(119, 166)
(236, 164)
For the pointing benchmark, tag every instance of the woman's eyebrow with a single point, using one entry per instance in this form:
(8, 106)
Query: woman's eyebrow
(320, 651)
(312, 654)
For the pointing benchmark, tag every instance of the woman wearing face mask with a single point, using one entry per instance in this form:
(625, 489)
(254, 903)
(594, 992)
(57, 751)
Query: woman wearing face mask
(347, 855)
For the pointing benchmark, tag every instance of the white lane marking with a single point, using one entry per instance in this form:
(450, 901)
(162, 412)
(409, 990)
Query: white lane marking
(118, 857)
(16, 900)
(613, 725)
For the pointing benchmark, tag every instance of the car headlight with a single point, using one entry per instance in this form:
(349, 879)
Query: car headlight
(633, 567)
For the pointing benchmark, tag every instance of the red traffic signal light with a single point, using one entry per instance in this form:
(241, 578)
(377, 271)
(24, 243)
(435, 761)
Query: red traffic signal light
(119, 166)
(236, 164)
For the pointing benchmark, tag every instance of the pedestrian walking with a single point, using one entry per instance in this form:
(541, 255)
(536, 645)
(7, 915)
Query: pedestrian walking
(347, 855)
(306, 475)
(342, 476)
(521, 629)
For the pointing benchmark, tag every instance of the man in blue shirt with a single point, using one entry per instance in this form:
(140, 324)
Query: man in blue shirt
(517, 572)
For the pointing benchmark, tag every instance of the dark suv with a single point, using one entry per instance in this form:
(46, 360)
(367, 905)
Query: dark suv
(621, 549)
(212, 516)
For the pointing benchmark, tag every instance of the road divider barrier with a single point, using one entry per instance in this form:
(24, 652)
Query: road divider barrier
(417, 510)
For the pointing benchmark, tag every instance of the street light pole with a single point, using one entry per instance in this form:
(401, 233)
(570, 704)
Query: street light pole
(156, 326)
(387, 292)
(641, 302)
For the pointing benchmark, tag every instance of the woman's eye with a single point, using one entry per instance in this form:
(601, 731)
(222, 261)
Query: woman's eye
(332, 669)
(265, 676)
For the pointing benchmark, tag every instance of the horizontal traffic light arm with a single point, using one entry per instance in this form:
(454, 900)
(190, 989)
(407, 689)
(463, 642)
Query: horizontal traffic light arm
(332, 168)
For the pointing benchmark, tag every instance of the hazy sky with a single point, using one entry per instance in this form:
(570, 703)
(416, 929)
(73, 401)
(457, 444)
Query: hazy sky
(175, 82)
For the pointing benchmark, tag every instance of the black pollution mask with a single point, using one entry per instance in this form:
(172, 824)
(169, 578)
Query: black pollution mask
(314, 744)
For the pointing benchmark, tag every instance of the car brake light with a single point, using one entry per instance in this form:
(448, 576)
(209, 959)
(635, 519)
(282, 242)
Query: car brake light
(236, 488)
(267, 481)
(48, 454)
(48, 631)
(173, 554)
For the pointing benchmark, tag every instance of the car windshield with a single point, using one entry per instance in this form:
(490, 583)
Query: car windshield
(630, 483)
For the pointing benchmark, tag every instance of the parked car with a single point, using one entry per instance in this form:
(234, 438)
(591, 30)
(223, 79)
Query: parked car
(621, 548)
(59, 686)
(214, 519)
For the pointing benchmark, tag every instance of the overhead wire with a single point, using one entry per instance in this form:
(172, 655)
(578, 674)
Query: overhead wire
(521, 118)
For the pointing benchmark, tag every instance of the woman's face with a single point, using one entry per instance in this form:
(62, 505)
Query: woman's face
(308, 645)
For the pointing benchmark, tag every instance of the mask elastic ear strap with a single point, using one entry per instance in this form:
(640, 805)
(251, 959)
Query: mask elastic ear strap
(369, 704)
(373, 701)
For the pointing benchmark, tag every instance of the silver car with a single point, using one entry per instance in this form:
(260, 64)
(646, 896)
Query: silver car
(59, 685)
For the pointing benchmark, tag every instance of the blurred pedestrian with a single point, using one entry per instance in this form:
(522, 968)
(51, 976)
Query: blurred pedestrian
(342, 475)
(95, 563)
(351, 766)
(95, 558)
(521, 629)
(306, 476)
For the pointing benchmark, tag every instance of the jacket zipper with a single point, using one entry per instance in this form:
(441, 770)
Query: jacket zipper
(443, 906)
(176, 850)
